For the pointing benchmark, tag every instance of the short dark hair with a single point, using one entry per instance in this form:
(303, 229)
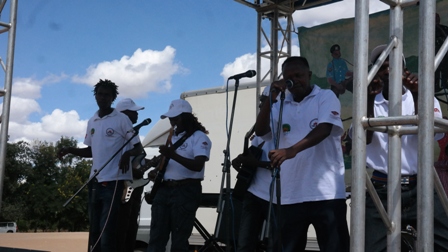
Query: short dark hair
(298, 59)
(335, 47)
(107, 84)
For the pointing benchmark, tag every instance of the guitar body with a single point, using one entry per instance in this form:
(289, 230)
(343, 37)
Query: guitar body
(130, 185)
(246, 174)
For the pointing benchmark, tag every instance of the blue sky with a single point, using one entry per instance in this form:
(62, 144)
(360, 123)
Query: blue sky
(153, 50)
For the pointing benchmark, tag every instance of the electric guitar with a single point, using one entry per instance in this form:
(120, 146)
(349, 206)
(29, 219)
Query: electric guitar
(247, 172)
(130, 185)
(161, 168)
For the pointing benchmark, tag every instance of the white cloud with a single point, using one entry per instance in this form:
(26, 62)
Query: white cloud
(143, 72)
(50, 128)
(21, 108)
(249, 61)
(26, 88)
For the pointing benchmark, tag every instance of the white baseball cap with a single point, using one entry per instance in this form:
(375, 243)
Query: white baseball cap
(376, 52)
(128, 104)
(177, 107)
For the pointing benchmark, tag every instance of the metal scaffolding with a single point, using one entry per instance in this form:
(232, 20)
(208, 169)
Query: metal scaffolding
(10, 28)
(426, 124)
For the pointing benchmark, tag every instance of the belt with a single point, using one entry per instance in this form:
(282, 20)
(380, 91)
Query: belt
(379, 178)
(173, 183)
(103, 183)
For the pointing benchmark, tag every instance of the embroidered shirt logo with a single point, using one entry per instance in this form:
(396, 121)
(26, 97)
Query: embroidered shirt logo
(286, 128)
(313, 123)
(92, 131)
(183, 146)
(110, 132)
(335, 113)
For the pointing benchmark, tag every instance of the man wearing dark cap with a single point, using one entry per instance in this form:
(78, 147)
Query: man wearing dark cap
(377, 151)
(337, 71)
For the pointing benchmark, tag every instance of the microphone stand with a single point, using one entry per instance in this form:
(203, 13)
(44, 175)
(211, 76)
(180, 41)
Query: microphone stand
(277, 181)
(98, 171)
(226, 177)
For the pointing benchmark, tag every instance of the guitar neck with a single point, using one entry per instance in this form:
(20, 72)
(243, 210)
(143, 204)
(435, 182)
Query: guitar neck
(246, 140)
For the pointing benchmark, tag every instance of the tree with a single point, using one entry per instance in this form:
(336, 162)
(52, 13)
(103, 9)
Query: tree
(17, 169)
(38, 184)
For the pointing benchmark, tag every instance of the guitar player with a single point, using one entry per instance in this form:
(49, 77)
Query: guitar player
(177, 198)
(129, 211)
(255, 203)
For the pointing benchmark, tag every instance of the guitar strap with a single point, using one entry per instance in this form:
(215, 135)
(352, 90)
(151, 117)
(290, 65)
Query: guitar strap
(176, 145)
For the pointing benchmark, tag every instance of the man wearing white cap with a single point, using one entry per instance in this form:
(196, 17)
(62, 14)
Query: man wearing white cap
(377, 159)
(175, 203)
(129, 211)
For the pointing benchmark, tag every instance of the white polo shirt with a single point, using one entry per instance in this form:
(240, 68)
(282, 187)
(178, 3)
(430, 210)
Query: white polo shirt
(316, 173)
(196, 145)
(262, 177)
(106, 136)
(377, 150)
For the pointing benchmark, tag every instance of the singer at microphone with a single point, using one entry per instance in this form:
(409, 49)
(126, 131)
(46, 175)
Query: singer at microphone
(111, 147)
(305, 128)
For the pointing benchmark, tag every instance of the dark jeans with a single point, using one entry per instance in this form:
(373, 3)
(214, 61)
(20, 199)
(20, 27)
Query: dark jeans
(104, 203)
(173, 212)
(328, 218)
(128, 221)
(375, 234)
(254, 213)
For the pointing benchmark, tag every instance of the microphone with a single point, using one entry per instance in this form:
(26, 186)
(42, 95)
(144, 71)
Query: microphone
(144, 123)
(248, 74)
(289, 84)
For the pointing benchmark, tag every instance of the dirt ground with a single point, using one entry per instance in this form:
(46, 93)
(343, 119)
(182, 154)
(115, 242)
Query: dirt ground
(54, 242)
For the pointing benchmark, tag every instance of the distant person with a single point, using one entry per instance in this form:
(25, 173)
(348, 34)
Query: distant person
(177, 199)
(107, 131)
(377, 151)
(310, 159)
(441, 73)
(338, 75)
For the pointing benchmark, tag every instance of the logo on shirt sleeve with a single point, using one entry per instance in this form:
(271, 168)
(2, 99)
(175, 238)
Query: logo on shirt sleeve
(204, 145)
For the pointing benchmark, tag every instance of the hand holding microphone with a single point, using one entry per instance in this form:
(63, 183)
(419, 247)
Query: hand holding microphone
(280, 86)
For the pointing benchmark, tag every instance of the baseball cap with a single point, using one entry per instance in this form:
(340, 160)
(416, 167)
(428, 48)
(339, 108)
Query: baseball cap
(376, 52)
(177, 107)
(335, 47)
(128, 104)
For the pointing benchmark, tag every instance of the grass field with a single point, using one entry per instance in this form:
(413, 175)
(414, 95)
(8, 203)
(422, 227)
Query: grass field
(54, 242)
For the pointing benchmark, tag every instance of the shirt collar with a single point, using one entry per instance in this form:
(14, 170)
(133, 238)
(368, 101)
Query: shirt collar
(316, 89)
(97, 117)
